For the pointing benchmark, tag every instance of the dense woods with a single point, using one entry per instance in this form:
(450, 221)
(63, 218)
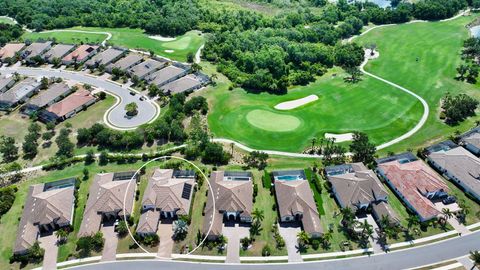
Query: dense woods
(257, 51)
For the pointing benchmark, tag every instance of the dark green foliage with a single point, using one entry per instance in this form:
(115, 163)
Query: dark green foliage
(198, 103)
(7, 197)
(256, 159)
(458, 108)
(267, 180)
(214, 154)
(8, 149)
(65, 146)
(362, 149)
(9, 32)
(316, 188)
(87, 244)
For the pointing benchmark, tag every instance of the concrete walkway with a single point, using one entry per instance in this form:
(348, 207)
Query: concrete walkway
(289, 234)
(49, 244)
(111, 241)
(234, 233)
(165, 232)
(377, 248)
(467, 263)
(460, 228)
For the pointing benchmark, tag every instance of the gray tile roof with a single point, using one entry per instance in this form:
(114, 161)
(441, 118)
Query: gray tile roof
(472, 137)
(462, 164)
(5, 83)
(44, 206)
(37, 49)
(19, 91)
(164, 75)
(147, 67)
(105, 57)
(51, 94)
(183, 84)
(127, 62)
(58, 51)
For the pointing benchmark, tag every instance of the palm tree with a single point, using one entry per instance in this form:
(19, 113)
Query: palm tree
(196, 67)
(62, 235)
(231, 147)
(258, 215)
(413, 220)
(447, 214)
(475, 257)
(303, 238)
(322, 141)
(180, 229)
(313, 141)
(348, 216)
(326, 238)
(367, 229)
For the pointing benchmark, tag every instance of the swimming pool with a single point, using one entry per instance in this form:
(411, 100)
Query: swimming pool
(289, 177)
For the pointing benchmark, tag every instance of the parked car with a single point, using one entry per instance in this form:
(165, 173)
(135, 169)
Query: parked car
(132, 93)
(449, 200)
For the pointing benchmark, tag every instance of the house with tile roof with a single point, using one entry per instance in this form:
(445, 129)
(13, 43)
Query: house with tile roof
(471, 141)
(167, 196)
(126, 63)
(47, 97)
(233, 197)
(49, 207)
(414, 182)
(295, 201)
(19, 93)
(459, 165)
(187, 83)
(106, 57)
(6, 83)
(359, 188)
(58, 51)
(36, 49)
(10, 50)
(167, 74)
(80, 55)
(67, 107)
(146, 68)
(106, 198)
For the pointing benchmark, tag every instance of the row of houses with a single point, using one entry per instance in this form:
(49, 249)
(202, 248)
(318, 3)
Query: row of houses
(171, 77)
(57, 103)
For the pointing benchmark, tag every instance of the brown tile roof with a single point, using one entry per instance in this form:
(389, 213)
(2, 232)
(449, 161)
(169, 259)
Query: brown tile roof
(165, 192)
(53, 92)
(106, 195)
(462, 164)
(183, 84)
(383, 209)
(10, 49)
(105, 57)
(37, 49)
(41, 208)
(58, 51)
(295, 196)
(229, 195)
(72, 102)
(80, 53)
(358, 186)
(412, 180)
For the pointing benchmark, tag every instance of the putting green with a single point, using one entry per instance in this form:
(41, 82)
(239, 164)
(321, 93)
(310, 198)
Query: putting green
(273, 121)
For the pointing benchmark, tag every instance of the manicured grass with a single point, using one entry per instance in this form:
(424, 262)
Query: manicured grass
(437, 45)
(272, 121)
(66, 37)
(6, 20)
(132, 39)
(371, 106)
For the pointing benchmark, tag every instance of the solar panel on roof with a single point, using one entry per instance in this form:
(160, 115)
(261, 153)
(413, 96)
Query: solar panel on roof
(187, 189)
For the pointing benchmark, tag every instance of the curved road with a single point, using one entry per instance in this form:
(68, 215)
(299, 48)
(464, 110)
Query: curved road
(403, 259)
(115, 116)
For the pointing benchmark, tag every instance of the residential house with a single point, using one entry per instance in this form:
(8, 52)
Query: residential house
(48, 207)
(166, 75)
(10, 50)
(108, 195)
(471, 140)
(167, 196)
(58, 51)
(67, 107)
(6, 83)
(457, 164)
(146, 68)
(81, 54)
(414, 182)
(19, 93)
(47, 97)
(126, 63)
(106, 57)
(233, 196)
(36, 49)
(358, 188)
(187, 83)
(295, 201)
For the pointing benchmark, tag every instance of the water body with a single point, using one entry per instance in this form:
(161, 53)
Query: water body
(380, 3)
(475, 31)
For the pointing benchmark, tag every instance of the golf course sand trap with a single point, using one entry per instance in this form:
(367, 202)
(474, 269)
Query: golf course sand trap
(271, 121)
(292, 104)
(340, 137)
(169, 51)
(160, 38)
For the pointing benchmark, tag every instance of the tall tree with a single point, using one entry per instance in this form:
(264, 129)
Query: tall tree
(362, 149)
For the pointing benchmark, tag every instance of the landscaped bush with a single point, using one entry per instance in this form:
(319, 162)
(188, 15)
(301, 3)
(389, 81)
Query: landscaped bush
(7, 197)
(87, 244)
(267, 180)
(266, 251)
(148, 239)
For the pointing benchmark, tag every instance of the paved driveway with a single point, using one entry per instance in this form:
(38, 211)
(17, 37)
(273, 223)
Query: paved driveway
(165, 233)
(234, 232)
(377, 248)
(49, 243)
(146, 110)
(111, 241)
(289, 233)
(396, 260)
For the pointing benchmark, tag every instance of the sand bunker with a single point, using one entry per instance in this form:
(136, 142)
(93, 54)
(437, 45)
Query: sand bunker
(340, 137)
(160, 38)
(292, 104)
(169, 51)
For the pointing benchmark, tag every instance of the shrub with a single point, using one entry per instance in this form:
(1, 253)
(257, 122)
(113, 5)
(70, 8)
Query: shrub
(266, 251)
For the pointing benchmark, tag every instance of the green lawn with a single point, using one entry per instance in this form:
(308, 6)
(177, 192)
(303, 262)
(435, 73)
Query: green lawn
(437, 46)
(6, 20)
(131, 38)
(66, 37)
(342, 107)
